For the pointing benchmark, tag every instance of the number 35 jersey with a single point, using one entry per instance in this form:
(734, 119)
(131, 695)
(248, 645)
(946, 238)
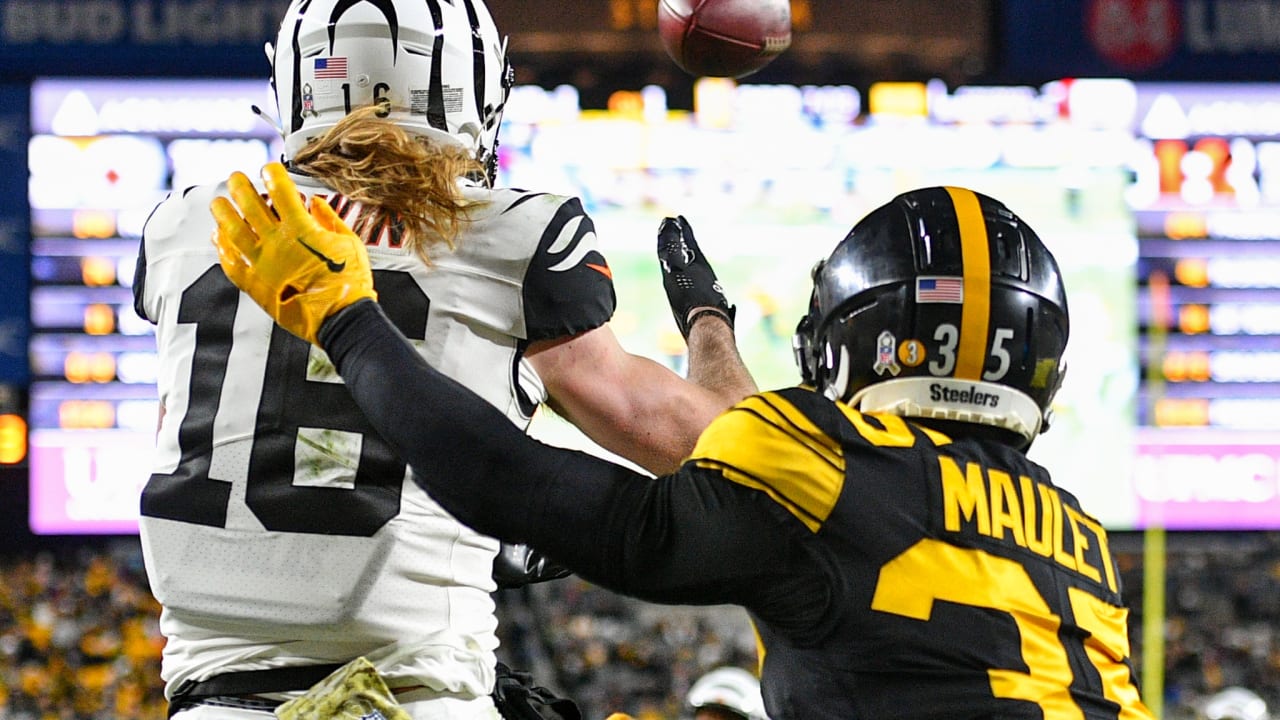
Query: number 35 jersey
(278, 528)
(962, 582)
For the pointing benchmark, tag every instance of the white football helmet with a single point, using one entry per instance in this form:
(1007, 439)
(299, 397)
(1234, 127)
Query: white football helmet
(1236, 703)
(728, 688)
(439, 66)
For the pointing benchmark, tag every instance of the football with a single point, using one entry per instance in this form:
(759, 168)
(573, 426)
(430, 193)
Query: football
(724, 38)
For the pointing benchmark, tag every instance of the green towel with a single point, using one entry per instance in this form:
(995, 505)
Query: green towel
(354, 691)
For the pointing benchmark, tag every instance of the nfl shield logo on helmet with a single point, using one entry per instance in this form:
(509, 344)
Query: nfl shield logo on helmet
(886, 354)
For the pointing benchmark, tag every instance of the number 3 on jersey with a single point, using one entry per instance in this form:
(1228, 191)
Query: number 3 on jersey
(292, 409)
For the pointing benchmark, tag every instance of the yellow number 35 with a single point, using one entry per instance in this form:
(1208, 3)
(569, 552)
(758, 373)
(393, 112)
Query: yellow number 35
(997, 583)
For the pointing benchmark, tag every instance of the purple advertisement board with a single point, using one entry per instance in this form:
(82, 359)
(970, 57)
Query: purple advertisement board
(1198, 479)
(88, 481)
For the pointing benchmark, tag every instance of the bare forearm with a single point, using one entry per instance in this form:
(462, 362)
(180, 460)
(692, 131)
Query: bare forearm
(632, 405)
(640, 410)
(714, 361)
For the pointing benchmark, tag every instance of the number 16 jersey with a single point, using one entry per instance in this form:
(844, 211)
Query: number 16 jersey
(278, 529)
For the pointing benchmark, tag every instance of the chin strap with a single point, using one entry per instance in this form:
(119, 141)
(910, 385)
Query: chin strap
(973, 401)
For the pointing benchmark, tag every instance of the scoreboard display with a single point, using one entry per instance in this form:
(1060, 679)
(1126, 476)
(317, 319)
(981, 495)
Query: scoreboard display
(1206, 205)
(102, 154)
(1160, 202)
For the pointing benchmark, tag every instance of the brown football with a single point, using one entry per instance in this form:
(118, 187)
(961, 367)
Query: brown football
(724, 38)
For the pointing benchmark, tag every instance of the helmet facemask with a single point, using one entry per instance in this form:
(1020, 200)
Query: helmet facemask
(803, 341)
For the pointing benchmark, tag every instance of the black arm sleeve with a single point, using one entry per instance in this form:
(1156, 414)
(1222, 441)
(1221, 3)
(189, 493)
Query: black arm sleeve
(464, 452)
(686, 538)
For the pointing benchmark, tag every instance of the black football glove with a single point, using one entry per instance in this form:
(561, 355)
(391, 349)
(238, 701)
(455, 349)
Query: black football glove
(688, 278)
(518, 565)
(517, 698)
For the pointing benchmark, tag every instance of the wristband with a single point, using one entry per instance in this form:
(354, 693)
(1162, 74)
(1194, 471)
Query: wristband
(727, 317)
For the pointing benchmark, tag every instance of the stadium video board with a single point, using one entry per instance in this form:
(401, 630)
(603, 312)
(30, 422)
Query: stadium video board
(1206, 205)
(103, 153)
(771, 177)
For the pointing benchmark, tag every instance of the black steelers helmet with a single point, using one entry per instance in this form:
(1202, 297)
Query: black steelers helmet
(939, 304)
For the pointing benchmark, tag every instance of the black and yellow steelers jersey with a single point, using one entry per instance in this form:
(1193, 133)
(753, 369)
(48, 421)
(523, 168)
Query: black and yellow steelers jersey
(890, 570)
(962, 577)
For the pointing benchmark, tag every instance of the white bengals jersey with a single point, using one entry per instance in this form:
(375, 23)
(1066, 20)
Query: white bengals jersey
(278, 528)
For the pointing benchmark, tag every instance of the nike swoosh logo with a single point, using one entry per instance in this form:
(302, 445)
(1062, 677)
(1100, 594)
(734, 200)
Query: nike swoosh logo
(602, 269)
(334, 267)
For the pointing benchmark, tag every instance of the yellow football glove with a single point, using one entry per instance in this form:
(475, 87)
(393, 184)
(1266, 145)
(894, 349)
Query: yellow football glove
(300, 266)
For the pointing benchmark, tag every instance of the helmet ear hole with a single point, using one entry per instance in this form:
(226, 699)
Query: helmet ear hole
(837, 380)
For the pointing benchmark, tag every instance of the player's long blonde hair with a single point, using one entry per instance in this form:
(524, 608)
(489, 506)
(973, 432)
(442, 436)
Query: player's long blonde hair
(398, 178)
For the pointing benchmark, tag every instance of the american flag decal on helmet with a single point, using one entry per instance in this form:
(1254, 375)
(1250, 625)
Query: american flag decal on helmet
(333, 68)
(940, 290)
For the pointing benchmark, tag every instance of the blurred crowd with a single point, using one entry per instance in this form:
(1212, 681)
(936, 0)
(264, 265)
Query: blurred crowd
(79, 636)
(1222, 618)
(610, 653)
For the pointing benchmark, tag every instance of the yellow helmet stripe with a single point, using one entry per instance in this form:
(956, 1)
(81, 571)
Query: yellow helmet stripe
(975, 256)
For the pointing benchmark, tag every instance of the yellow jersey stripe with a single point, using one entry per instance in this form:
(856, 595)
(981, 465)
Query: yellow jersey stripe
(768, 444)
(975, 256)
(736, 475)
(789, 419)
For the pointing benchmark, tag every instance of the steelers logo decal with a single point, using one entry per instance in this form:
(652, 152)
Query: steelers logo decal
(911, 352)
